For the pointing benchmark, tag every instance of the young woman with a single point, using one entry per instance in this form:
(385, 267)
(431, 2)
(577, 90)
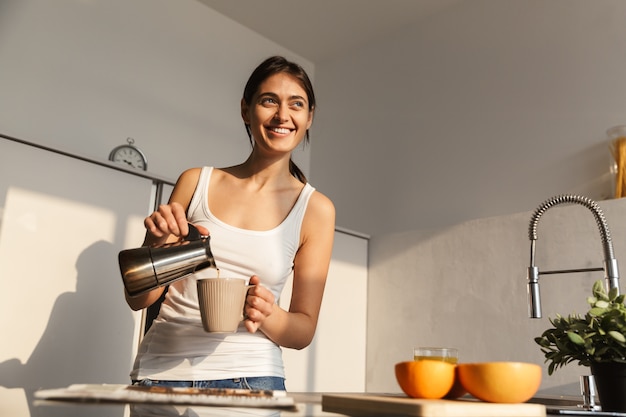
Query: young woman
(266, 222)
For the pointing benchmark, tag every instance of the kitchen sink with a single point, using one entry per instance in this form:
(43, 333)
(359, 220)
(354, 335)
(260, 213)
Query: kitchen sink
(558, 400)
(569, 405)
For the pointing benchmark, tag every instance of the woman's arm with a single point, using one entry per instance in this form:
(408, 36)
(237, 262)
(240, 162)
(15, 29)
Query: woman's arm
(295, 328)
(168, 224)
(143, 300)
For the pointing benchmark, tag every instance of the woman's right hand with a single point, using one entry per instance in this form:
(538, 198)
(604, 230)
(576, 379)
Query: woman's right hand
(169, 220)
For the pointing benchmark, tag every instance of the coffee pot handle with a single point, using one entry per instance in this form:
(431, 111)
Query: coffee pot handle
(194, 233)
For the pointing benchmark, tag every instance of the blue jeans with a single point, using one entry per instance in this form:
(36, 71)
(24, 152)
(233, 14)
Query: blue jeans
(259, 383)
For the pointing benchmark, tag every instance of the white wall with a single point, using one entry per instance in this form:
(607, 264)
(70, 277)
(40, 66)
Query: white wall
(335, 360)
(82, 76)
(485, 109)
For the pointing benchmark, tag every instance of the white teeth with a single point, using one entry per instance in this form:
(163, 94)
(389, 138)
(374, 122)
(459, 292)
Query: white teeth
(280, 130)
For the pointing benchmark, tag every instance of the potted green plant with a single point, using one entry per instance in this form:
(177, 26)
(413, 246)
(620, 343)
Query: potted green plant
(597, 340)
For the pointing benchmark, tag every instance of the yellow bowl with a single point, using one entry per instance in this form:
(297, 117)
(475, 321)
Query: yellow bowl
(425, 378)
(500, 382)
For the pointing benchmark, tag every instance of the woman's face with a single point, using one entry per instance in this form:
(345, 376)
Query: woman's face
(278, 114)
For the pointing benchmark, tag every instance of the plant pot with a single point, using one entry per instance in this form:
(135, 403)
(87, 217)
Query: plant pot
(610, 378)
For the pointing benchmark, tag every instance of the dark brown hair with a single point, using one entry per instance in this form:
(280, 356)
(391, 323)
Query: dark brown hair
(271, 66)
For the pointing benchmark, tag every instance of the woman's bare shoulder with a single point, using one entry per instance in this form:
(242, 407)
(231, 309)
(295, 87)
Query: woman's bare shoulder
(186, 186)
(321, 210)
(190, 174)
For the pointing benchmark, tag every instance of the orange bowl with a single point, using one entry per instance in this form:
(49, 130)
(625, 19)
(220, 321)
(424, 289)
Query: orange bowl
(425, 378)
(457, 390)
(500, 382)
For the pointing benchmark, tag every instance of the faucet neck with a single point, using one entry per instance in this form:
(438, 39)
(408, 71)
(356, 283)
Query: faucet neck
(605, 234)
(610, 263)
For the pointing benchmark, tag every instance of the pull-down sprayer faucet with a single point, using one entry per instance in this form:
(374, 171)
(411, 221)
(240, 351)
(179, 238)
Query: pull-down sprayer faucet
(611, 274)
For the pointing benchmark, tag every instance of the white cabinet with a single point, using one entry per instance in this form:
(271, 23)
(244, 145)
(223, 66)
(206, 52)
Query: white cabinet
(335, 360)
(64, 318)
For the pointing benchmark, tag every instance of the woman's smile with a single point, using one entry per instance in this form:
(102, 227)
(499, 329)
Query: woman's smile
(279, 130)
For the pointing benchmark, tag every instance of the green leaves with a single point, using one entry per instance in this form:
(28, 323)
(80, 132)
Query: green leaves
(575, 338)
(599, 336)
(617, 336)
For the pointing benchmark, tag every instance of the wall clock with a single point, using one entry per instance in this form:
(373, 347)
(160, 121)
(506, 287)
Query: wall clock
(129, 155)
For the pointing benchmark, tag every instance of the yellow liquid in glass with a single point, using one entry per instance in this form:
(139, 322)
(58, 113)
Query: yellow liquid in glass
(449, 359)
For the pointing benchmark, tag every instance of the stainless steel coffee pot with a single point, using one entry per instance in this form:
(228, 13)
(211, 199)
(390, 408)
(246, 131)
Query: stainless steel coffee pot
(146, 268)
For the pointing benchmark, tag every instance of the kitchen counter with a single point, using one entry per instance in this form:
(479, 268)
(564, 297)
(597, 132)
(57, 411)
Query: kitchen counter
(306, 404)
(292, 405)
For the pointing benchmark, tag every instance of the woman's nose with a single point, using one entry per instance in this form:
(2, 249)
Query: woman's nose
(282, 114)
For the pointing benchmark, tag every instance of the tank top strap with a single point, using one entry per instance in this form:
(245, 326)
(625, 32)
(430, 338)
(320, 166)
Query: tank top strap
(302, 202)
(202, 188)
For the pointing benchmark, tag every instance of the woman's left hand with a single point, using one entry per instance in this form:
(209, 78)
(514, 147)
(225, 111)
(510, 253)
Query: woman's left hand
(259, 305)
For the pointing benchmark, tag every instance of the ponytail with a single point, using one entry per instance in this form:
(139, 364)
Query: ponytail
(296, 172)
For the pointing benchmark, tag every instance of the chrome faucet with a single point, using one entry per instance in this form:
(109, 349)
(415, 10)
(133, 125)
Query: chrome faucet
(611, 274)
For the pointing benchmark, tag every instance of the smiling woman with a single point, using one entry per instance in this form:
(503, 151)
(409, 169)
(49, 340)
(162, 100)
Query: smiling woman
(266, 223)
(279, 114)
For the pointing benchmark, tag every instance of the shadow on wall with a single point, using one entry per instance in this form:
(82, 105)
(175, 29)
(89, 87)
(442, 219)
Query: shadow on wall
(80, 337)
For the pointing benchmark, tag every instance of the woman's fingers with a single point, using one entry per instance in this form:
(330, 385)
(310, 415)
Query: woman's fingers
(178, 220)
(168, 219)
(259, 304)
(155, 225)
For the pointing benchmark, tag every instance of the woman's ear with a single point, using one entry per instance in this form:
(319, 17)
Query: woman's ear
(244, 112)
(310, 121)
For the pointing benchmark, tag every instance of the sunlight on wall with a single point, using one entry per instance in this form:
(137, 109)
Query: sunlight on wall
(339, 341)
(135, 232)
(30, 290)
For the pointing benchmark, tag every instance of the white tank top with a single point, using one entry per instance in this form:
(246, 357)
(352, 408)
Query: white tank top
(176, 347)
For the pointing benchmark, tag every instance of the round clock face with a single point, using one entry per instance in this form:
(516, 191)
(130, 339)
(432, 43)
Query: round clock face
(130, 156)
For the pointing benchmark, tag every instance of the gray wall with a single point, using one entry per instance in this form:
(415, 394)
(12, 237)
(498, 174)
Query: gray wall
(465, 286)
(82, 76)
(485, 109)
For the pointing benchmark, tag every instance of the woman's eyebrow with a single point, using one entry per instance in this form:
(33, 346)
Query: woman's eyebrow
(274, 95)
(297, 97)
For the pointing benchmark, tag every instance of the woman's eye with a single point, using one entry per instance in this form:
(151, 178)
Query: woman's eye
(297, 104)
(267, 101)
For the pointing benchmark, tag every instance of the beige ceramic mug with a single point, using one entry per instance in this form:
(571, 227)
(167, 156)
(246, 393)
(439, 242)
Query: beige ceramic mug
(221, 302)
